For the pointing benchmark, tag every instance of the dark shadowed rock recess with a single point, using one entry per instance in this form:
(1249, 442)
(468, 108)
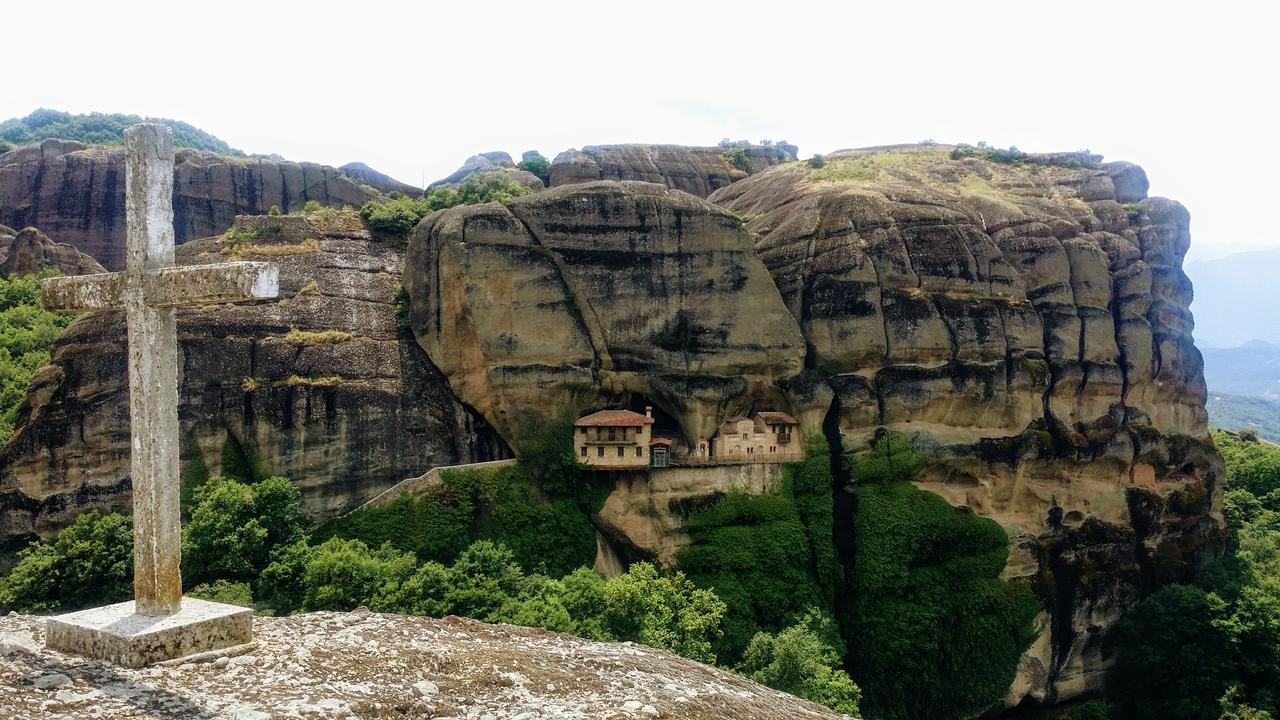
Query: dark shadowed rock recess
(76, 192)
(696, 170)
(320, 386)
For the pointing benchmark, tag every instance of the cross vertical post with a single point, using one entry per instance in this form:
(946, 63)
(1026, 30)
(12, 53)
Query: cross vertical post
(158, 624)
(153, 373)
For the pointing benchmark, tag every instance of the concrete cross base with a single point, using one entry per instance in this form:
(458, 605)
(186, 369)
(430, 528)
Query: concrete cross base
(117, 634)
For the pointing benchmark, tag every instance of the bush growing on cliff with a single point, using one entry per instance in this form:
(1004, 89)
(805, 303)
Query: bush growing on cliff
(538, 507)
(933, 630)
(27, 335)
(89, 563)
(1009, 156)
(1213, 651)
(538, 165)
(806, 661)
(235, 527)
(399, 216)
(737, 157)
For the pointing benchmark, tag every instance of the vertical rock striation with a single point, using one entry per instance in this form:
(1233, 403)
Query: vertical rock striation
(1030, 323)
(76, 192)
(321, 387)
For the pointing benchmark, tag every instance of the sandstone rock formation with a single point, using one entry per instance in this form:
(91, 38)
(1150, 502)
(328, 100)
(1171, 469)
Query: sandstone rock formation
(696, 170)
(1030, 322)
(320, 387)
(361, 664)
(590, 294)
(484, 162)
(76, 192)
(32, 251)
(381, 182)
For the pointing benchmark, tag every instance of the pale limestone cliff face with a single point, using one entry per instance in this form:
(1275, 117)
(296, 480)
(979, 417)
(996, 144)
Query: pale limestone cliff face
(645, 514)
(345, 415)
(76, 192)
(695, 170)
(31, 251)
(1029, 323)
(589, 294)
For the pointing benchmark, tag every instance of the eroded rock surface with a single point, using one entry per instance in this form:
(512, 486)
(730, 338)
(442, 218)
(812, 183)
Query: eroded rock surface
(321, 386)
(587, 294)
(1030, 323)
(342, 665)
(76, 192)
(696, 170)
(31, 251)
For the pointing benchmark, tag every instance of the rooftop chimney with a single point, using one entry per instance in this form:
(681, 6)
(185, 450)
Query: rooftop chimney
(648, 411)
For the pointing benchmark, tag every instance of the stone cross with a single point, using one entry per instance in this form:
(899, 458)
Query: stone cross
(148, 290)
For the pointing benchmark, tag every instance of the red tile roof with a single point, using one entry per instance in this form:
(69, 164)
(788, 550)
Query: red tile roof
(614, 418)
(776, 418)
(662, 441)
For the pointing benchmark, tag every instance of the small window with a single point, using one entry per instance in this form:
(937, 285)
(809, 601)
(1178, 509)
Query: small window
(584, 431)
(599, 452)
(584, 451)
(744, 436)
(639, 452)
(620, 451)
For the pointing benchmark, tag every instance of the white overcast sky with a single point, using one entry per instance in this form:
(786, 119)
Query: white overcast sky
(412, 89)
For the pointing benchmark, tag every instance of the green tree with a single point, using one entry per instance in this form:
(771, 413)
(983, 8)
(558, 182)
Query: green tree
(804, 660)
(1171, 663)
(934, 632)
(27, 336)
(346, 574)
(235, 527)
(663, 611)
(737, 157)
(96, 128)
(538, 165)
(224, 591)
(89, 563)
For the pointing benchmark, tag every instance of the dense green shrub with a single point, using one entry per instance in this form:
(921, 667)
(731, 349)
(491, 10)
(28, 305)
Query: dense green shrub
(1171, 662)
(538, 165)
(235, 527)
(1010, 155)
(737, 157)
(27, 335)
(816, 161)
(400, 215)
(224, 591)
(95, 128)
(539, 508)
(804, 660)
(933, 630)
(89, 563)
(754, 552)
(1213, 651)
(810, 485)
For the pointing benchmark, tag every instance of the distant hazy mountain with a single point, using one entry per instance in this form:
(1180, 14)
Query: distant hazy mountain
(1236, 412)
(1236, 299)
(1252, 370)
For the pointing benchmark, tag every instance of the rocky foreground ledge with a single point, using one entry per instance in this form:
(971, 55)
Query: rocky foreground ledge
(371, 665)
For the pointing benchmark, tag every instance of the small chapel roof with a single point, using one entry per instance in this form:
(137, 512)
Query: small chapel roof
(776, 418)
(614, 418)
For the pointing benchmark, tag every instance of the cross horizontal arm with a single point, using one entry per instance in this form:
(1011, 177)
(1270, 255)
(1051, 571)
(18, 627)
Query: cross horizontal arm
(209, 284)
(102, 291)
(166, 287)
